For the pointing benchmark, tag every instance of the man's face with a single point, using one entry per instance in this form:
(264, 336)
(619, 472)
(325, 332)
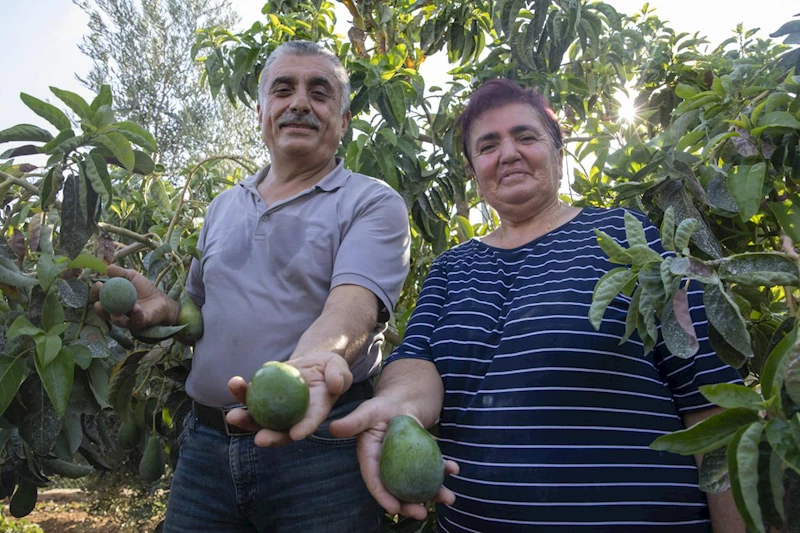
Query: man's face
(302, 109)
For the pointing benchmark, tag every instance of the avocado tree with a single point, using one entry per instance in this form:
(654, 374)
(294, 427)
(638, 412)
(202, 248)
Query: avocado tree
(712, 157)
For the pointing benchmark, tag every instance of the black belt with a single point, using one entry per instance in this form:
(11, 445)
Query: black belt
(215, 416)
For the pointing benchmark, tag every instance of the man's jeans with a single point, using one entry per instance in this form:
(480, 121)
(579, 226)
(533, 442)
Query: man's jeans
(229, 485)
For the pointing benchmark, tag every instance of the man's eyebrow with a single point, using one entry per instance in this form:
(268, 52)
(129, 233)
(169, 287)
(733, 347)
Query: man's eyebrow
(321, 80)
(290, 80)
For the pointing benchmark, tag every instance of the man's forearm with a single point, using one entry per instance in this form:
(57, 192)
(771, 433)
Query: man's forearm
(350, 314)
(415, 386)
(721, 507)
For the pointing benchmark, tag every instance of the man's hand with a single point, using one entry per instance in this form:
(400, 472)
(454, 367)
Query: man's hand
(152, 307)
(328, 377)
(370, 421)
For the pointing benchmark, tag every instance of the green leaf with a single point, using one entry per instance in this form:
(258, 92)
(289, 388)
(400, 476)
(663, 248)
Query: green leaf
(136, 134)
(615, 252)
(772, 373)
(464, 229)
(780, 438)
(693, 268)
(12, 370)
(57, 379)
(120, 389)
(49, 112)
(771, 492)
(40, 424)
(49, 268)
(766, 268)
(397, 101)
(729, 396)
(634, 231)
(775, 119)
(75, 217)
(25, 133)
(120, 147)
(641, 254)
(52, 312)
(605, 291)
(22, 326)
(47, 349)
(684, 233)
(103, 98)
(788, 215)
(82, 355)
(677, 327)
(685, 91)
(88, 261)
(713, 475)
(50, 186)
(74, 102)
(743, 458)
(16, 279)
(668, 229)
(101, 187)
(724, 315)
(745, 183)
(707, 435)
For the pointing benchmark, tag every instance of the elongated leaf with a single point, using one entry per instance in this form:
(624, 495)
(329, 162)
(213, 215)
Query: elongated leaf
(677, 327)
(707, 435)
(713, 475)
(16, 279)
(49, 112)
(74, 102)
(49, 268)
(684, 233)
(88, 261)
(729, 396)
(47, 349)
(693, 268)
(770, 485)
(775, 119)
(668, 229)
(634, 230)
(103, 98)
(120, 389)
(40, 425)
(772, 373)
(780, 438)
(759, 269)
(57, 379)
(120, 147)
(101, 187)
(52, 312)
(615, 252)
(136, 134)
(22, 326)
(12, 370)
(788, 215)
(746, 183)
(75, 216)
(605, 291)
(724, 315)
(25, 133)
(725, 352)
(743, 458)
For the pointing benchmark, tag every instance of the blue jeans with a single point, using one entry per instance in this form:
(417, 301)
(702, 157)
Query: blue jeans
(229, 485)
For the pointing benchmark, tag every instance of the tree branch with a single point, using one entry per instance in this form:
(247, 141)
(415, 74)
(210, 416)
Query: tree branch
(142, 239)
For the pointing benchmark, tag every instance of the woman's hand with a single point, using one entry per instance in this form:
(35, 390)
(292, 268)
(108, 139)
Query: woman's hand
(370, 421)
(328, 377)
(152, 307)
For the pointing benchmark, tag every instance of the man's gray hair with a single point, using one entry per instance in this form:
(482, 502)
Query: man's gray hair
(306, 48)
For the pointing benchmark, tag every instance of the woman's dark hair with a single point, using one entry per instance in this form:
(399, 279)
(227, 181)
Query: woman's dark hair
(497, 93)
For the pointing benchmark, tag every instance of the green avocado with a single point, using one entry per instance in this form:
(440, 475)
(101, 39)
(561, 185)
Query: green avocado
(117, 295)
(190, 316)
(151, 467)
(277, 396)
(412, 468)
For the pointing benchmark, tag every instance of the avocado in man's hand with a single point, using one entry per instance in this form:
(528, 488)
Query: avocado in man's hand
(190, 316)
(277, 396)
(118, 296)
(412, 467)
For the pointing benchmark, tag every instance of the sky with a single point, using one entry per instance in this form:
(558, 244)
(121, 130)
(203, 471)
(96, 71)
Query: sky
(40, 38)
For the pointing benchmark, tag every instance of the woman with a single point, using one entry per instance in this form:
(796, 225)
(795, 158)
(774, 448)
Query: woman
(548, 420)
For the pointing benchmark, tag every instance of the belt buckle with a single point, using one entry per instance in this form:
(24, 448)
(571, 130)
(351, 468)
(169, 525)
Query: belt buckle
(231, 430)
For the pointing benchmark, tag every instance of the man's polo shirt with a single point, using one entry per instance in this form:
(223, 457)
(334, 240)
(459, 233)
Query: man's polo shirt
(266, 272)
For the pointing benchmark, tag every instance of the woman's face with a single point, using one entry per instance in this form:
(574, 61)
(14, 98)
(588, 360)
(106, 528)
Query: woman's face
(515, 161)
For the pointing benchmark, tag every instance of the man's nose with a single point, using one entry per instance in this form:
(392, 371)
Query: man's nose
(300, 101)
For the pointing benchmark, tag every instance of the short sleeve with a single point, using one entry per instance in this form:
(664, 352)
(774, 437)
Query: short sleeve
(374, 252)
(195, 287)
(686, 376)
(417, 339)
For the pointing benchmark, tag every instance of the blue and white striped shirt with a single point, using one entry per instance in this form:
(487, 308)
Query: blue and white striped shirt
(550, 420)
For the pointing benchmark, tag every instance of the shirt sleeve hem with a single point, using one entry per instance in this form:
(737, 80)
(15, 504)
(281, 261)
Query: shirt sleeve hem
(363, 281)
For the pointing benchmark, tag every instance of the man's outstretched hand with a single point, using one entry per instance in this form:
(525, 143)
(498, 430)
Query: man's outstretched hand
(152, 307)
(370, 422)
(328, 377)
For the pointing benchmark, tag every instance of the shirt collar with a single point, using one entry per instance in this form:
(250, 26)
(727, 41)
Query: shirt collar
(335, 179)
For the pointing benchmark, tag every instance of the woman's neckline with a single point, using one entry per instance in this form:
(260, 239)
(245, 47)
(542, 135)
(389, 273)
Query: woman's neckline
(532, 241)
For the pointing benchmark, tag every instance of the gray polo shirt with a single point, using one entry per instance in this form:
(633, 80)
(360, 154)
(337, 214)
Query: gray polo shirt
(266, 272)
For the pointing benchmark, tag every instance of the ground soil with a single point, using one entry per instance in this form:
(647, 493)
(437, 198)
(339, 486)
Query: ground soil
(66, 511)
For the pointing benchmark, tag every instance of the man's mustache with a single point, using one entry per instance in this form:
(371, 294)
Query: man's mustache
(298, 119)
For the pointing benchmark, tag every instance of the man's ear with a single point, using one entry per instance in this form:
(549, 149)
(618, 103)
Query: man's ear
(346, 121)
(258, 110)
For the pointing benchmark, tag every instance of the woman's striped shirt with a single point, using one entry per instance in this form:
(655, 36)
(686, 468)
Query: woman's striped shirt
(550, 420)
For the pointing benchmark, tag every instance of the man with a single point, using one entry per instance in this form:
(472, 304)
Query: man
(301, 262)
